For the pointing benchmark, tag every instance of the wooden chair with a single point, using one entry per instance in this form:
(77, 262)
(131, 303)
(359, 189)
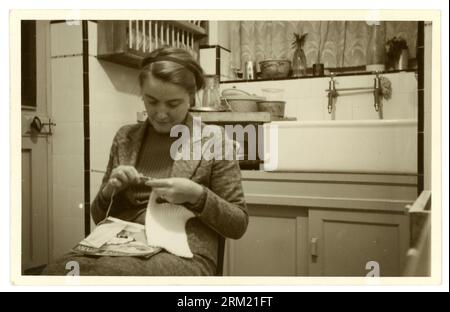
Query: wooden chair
(220, 256)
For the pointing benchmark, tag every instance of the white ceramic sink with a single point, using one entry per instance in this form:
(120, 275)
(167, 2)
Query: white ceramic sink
(372, 146)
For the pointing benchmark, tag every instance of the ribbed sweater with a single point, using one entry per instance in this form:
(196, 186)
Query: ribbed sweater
(154, 161)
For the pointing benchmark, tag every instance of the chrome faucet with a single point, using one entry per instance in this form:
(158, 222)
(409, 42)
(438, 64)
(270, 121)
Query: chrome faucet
(332, 93)
(377, 92)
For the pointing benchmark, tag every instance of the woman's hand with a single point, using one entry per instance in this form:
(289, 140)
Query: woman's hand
(121, 177)
(176, 190)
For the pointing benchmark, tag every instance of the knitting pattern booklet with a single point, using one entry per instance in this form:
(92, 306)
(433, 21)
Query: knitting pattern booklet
(116, 238)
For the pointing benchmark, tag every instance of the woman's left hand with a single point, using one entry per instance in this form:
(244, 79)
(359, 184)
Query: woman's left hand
(176, 190)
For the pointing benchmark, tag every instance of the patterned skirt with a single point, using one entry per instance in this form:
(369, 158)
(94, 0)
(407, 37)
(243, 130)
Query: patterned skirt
(160, 264)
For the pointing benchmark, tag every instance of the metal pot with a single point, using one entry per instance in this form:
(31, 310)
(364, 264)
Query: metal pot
(275, 108)
(240, 101)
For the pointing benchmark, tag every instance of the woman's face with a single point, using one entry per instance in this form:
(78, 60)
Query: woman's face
(166, 103)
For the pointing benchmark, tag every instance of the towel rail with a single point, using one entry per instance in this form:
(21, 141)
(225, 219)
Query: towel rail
(421, 205)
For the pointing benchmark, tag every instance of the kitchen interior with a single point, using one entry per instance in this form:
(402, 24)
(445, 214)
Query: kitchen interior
(343, 184)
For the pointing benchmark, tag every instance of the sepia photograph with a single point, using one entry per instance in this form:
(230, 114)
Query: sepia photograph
(253, 146)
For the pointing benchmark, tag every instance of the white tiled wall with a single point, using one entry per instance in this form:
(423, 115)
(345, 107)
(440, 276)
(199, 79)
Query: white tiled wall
(306, 99)
(208, 60)
(114, 102)
(68, 150)
(66, 39)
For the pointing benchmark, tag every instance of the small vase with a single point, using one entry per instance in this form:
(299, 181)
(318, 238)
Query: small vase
(375, 53)
(402, 63)
(299, 63)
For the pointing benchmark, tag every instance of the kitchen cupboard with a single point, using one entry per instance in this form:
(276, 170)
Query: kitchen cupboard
(273, 245)
(299, 227)
(346, 243)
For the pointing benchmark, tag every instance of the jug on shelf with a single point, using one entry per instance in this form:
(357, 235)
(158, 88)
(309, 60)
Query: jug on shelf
(211, 93)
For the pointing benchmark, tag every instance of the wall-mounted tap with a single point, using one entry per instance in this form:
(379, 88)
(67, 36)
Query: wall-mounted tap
(332, 93)
(381, 89)
(377, 92)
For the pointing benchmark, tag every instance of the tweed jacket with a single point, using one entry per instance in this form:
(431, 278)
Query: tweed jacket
(224, 211)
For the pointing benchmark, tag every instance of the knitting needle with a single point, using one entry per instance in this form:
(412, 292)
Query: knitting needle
(142, 177)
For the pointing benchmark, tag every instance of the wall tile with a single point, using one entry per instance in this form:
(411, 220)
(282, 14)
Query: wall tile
(343, 109)
(292, 107)
(68, 170)
(60, 201)
(407, 82)
(68, 139)
(208, 60)
(114, 93)
(65, 39)
(71, 232)
(401, 106)
(311, 108)
(314, 87)
(92, 36)
(299, 92)
(67, 89)
(75, 170)
(101, 138)
(114, 102)
(413, 108)
(76, 197)
(392, 108)
(363, 108)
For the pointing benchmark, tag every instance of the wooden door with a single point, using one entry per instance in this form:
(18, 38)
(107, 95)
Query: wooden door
(36, 145)
(275, 244)
(352, 243)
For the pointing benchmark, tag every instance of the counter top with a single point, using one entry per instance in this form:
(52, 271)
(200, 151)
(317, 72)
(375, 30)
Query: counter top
(234, 117)
(329, 176)
(240, 117)
(345, 191)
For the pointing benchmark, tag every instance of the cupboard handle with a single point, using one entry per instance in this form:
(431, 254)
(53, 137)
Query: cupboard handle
(313, 246)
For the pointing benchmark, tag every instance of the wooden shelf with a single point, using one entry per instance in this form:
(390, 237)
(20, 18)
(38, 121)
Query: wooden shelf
(113, 42)
(233, 117)
(130, 59)
(338, 74)
(195, 29)
(240, 117)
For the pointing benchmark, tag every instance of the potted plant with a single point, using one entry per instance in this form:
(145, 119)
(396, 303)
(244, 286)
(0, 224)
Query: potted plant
(397, 53)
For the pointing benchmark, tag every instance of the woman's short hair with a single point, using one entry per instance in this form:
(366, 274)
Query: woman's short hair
(173, 65)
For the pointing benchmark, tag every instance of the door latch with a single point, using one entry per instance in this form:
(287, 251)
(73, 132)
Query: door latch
(37, 125)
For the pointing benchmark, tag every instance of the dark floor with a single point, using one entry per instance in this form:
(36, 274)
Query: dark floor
(34, 271)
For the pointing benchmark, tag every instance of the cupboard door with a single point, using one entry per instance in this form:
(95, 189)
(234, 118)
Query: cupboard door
(272, 246)
(355, 243)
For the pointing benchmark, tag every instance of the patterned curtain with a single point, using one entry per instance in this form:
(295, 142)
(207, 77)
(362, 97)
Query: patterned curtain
(341, 43)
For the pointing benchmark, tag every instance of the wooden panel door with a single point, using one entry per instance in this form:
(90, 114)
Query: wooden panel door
(36, 146)
(35, 212)
(267, 249)
(272, 246)
(348, 243)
